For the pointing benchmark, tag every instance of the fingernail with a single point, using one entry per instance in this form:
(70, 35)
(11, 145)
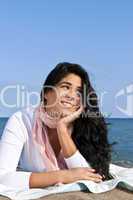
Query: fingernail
(100, 176)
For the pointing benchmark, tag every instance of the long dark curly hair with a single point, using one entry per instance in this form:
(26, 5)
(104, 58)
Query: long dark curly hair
(90, 129)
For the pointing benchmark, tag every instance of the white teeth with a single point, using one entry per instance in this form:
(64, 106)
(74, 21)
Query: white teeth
(66, 104)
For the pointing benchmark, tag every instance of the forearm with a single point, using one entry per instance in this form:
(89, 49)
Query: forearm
(44, 179)
(71, 154)
(67, 145)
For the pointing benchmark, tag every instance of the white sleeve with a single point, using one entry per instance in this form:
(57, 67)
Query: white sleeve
(11, 145)
(76, 160)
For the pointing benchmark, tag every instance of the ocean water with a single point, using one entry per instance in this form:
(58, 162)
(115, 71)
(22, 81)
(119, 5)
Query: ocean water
(120, 131)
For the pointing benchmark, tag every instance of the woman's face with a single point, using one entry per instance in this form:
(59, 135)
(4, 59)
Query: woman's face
(65, 97)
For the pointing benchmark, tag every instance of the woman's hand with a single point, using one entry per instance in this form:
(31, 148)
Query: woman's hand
(64, 131)
(67, 121)
(80, 173)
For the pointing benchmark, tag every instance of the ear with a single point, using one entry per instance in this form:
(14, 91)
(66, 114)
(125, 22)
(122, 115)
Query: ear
(45, 96)
(44, 100)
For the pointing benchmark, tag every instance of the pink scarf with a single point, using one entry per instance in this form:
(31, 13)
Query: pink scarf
(39, 132)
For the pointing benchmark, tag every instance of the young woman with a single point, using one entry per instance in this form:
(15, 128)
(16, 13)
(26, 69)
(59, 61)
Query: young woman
(62, 140)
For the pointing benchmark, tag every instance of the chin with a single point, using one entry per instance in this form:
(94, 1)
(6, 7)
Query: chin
(67, 111)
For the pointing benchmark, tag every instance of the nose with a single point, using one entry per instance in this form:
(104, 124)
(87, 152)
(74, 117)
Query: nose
(71, 95)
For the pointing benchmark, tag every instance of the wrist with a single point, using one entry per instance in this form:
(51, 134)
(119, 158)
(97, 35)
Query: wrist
(63, 176)
(61, 128)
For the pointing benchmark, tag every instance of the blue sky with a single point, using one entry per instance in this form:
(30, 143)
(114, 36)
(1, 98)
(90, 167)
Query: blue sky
(36, 35)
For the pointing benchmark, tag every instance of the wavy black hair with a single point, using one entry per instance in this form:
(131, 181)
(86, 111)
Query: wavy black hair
(90, 129)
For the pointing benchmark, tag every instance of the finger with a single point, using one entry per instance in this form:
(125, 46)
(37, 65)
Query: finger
(78, 112)
(93, 175)
(90, 169)
(74, 115)
(96, 180)
(92, 179)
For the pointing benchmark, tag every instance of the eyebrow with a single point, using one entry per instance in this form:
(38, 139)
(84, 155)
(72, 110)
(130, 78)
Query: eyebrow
(68, 83)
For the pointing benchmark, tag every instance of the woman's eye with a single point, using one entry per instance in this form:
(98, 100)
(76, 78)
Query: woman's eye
(65, 87)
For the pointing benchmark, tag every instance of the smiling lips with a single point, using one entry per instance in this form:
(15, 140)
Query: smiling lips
(67, 104)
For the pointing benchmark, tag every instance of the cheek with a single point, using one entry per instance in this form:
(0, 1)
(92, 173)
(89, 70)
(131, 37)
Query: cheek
(78, 100)
(62, 93)
(52, 99)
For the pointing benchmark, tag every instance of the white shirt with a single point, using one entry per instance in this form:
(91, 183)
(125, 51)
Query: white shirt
(17, 150)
